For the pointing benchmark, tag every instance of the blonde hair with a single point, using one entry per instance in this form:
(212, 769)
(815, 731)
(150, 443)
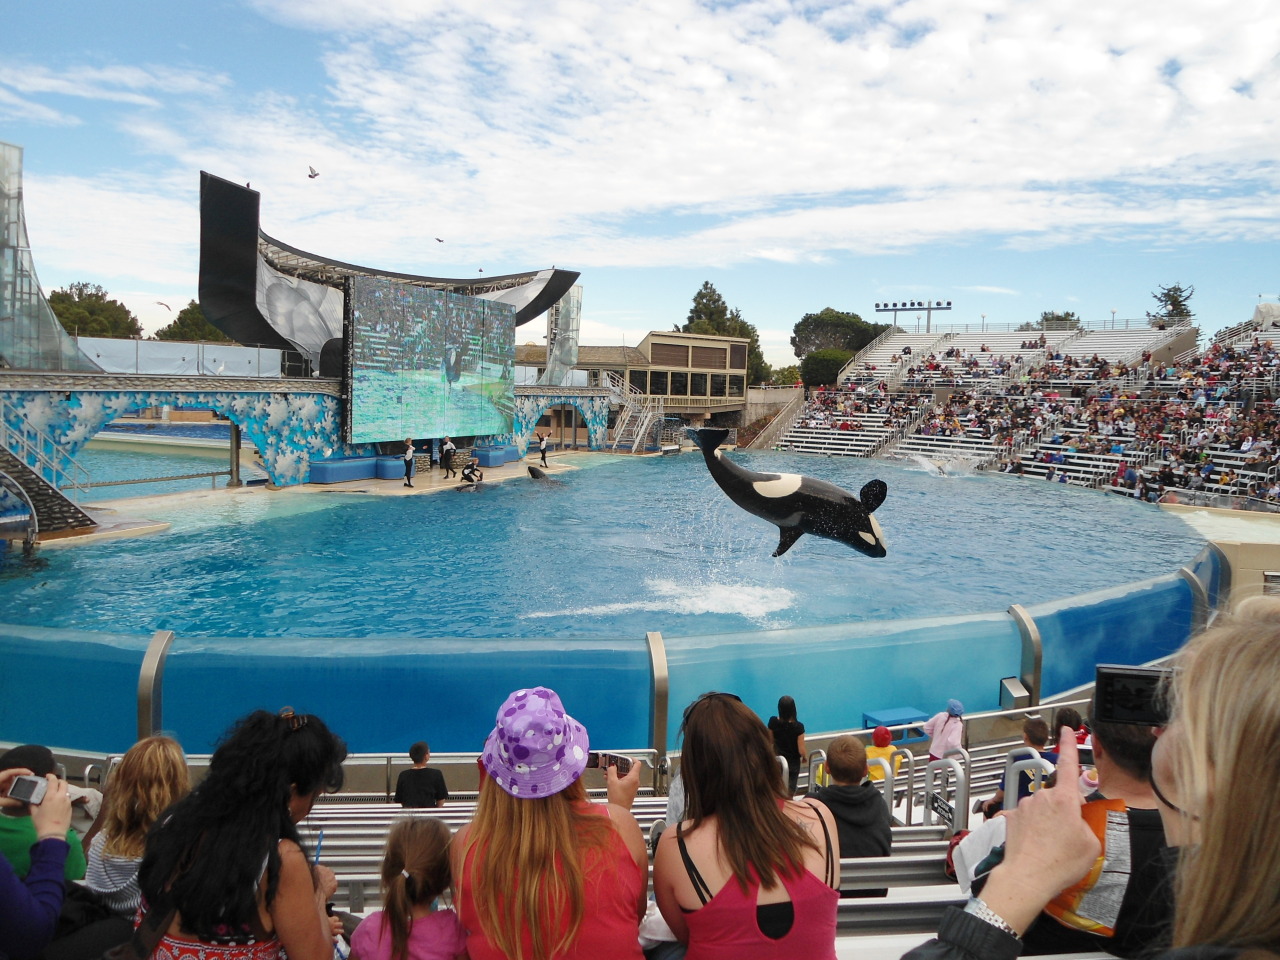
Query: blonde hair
(151, 777)
(528, 873)
(415, 870)
(1224, 697)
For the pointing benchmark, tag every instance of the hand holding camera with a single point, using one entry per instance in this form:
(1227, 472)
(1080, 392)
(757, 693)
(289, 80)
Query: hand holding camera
(46, 799)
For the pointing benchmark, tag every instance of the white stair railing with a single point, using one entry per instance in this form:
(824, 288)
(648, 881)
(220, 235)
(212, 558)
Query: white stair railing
(29, 444)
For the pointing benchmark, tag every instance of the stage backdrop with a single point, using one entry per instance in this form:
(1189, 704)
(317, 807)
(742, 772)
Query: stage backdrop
(425, 363)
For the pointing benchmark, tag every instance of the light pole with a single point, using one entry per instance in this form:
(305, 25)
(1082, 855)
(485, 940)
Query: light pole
(984, 322)
(928, 306)
(1113, 318)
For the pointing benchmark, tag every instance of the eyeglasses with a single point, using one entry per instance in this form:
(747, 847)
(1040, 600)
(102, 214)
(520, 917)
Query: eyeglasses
(296, 721)
(706, 696)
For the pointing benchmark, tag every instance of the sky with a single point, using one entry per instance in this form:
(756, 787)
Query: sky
(1010, 156)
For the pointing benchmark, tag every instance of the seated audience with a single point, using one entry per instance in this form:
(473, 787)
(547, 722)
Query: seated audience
(1035, 734)
(882, 748)
(541, 871)
(420, 785)
(1215, 792)
(862, 818)
(415, 871)
(18, 830)
(224, 874)
(30, 904)
(747, 874)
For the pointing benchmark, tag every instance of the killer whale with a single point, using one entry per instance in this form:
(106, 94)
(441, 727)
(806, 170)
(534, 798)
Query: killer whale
(537, 473)
(796, 504)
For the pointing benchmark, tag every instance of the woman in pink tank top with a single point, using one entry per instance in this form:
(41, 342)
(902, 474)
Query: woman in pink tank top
(749, 875)
(541, 871)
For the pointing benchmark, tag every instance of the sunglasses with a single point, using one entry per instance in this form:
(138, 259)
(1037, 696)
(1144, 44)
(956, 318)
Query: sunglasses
(706, 696)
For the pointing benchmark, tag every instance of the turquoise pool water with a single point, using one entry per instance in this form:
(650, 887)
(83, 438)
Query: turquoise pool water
(105, 463)
(618, 548)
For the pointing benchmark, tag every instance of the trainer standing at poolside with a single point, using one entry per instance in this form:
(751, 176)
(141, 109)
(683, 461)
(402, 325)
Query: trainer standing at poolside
(408, 462)
(542, 447)
(446, 457)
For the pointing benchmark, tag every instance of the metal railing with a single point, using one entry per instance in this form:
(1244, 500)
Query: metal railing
(785, 419)
(31, 445)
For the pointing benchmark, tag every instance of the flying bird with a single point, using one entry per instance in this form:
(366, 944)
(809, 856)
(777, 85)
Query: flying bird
(438, 240)
(161, 303)
(313, 173)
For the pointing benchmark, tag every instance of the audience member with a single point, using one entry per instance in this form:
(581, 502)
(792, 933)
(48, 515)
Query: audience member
(862, 818)
(745, 876)
(415, 871)
(788, 740)
(226, 863)
(882, 748)
(945, 729)
(30, 904)
(542, 872)
(18, 830)
(1214, 786)
(1035, 734)
(420, 785)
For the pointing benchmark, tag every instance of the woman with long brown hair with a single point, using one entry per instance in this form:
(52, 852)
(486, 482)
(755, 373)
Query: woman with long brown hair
(542, 872)
(750, 874)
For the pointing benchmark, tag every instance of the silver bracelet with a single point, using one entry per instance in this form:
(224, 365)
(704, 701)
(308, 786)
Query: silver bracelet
(984, 913)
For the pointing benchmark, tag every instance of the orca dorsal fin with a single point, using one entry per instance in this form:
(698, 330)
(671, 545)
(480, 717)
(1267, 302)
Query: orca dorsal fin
(873, 494)
(787, 537)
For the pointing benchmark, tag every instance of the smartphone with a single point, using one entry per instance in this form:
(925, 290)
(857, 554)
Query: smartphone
(28, 789)
(1131, 695)
(597, 759)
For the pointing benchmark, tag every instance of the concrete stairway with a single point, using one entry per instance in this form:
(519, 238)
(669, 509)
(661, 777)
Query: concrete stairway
(54, 511)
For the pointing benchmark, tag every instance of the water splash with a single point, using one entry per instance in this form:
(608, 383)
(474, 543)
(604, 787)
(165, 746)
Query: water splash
(755, 603)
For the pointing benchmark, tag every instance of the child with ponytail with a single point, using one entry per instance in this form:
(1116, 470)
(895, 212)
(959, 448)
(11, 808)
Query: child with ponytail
(415, 871)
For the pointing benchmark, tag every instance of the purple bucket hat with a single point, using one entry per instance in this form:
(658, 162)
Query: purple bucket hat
(535, 749)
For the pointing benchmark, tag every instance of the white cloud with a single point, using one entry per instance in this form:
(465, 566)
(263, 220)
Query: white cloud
(118, 83)
(1004, 291)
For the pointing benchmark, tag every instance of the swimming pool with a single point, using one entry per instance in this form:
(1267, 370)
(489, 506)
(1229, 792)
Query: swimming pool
(388, 615)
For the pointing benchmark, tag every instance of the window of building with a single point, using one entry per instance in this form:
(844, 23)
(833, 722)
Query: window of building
(679, 384)
(719, 384)
(658, 383)
(697, 384)
(669, 354)
(738, 356)
(714, 358)
(737, 385)
(639, 380)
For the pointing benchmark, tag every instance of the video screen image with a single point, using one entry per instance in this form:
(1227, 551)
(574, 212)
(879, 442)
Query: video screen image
(425, 363)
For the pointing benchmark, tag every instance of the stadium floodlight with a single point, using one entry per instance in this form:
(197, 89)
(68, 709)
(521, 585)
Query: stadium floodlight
(928, 306)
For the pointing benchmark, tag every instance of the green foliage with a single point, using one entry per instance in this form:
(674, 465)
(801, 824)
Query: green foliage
(1052, 320)
(1175, 305)
(191, 324)
(84, 310)
(830, 329)
(711, 316)
(786, 376)
(823, 366)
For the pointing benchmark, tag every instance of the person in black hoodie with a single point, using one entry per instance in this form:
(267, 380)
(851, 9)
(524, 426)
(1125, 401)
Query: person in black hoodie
(862, 819)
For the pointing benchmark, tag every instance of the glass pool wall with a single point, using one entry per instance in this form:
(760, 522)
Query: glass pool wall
(382, 695)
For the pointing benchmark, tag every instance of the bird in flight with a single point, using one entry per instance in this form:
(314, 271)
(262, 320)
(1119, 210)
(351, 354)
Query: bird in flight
(161, 303)
(312, 173)
(438, 240)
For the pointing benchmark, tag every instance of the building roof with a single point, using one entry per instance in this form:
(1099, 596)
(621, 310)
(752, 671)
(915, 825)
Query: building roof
(534, 355)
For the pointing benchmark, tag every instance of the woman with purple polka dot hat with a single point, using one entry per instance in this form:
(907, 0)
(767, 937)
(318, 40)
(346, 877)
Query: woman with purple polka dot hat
(541, 871)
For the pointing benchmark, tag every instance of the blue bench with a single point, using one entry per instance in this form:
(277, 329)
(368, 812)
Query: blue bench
(896, 717)
(342, 469)
(392, 468)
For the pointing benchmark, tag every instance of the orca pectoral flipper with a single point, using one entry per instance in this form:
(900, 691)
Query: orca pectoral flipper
(873, 494)
(787, 537)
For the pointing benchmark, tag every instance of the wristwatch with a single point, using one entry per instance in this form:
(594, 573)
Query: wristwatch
(984, 913)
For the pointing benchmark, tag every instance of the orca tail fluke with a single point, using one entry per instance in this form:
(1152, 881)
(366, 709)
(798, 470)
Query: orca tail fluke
(707, 438)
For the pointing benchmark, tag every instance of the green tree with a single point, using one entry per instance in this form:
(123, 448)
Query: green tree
(831, 329)
(84, 310)
(191, 324)
(823, 366)
(1052, 320)
(711, 316)
(1175, 306)
(785, 376)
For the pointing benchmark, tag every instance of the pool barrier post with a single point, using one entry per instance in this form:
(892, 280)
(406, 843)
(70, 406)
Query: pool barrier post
(150, 681)
(1032, 651)
(659, 694)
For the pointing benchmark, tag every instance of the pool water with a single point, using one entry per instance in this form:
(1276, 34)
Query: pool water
(618, 548)
(106, 463)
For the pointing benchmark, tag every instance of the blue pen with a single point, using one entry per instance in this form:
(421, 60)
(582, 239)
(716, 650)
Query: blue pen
(319, 844)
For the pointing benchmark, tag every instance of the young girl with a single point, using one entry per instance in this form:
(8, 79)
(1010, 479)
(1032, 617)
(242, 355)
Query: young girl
(415, 870)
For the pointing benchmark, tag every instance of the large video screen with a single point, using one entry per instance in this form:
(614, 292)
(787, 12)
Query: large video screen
(424, 363)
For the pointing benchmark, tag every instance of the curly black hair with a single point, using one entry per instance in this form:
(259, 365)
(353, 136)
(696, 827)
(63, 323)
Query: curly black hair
(206, 856)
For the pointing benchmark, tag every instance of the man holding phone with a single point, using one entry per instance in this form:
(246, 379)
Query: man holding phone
(19, 828)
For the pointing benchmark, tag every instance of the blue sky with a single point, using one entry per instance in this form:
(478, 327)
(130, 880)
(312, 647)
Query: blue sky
(1012, 156)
